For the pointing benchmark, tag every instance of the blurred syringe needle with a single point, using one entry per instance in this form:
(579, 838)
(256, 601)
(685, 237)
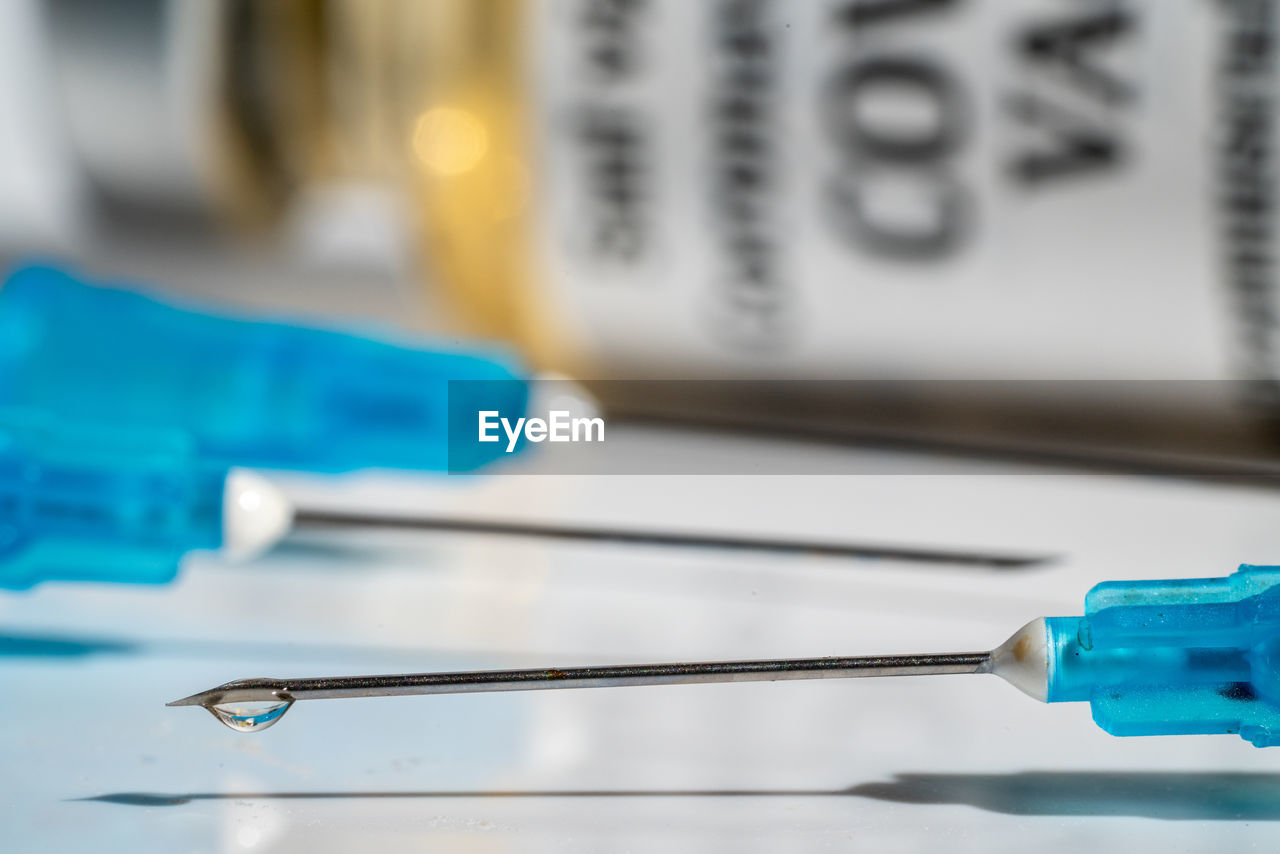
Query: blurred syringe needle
(240, 514)
(327, 519)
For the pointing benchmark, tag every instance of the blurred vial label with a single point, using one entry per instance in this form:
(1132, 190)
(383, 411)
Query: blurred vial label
(932, 188)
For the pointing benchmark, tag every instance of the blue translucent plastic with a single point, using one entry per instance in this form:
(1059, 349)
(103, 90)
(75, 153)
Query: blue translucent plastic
(1176, 657)
(101, 505)
(253, 393)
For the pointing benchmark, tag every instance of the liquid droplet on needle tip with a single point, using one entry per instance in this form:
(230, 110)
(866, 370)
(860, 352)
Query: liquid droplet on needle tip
(250, 716)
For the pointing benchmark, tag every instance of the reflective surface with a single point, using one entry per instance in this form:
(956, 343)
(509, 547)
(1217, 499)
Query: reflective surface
(895, 765)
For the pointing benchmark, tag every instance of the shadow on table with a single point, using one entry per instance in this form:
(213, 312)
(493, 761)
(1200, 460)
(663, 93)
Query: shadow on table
(1223, 796)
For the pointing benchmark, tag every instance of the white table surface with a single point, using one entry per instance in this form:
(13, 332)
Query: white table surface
(93, 761)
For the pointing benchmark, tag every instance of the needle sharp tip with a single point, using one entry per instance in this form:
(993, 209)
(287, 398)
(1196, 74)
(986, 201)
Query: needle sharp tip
(194, 700)
(240, 690)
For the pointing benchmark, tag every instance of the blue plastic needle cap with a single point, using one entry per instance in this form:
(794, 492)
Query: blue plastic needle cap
(94, 504)
(252, 393)
(1175, 657)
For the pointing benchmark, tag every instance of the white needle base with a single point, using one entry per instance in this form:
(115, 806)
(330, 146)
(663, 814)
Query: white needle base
(255, 515)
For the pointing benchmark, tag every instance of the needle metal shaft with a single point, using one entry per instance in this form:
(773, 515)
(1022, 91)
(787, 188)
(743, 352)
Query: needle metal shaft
(335, 687)
(323, 519)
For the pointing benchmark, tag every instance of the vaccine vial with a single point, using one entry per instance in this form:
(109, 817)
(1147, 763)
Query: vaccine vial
(822, 190)
(1060, 189)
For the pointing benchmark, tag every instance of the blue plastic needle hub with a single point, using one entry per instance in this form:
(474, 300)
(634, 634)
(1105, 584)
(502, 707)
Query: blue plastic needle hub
(1175, 657)
(95, 504)
(250, 392)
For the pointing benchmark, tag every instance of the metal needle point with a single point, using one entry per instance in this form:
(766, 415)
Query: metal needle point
(227, 702)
